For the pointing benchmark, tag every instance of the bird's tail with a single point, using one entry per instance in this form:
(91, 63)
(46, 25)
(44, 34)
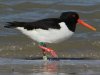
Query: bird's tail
(13, 24)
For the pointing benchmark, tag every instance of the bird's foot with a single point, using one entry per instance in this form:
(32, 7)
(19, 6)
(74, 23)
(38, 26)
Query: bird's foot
(42, 45)
(52, 52)
(45, 57)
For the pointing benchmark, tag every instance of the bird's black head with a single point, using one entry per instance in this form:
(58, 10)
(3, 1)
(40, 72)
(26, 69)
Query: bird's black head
(70, 18)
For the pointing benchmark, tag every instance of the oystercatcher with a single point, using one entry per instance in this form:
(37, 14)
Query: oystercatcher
(50, 30)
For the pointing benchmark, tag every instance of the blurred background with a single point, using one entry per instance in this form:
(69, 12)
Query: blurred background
(84, 43)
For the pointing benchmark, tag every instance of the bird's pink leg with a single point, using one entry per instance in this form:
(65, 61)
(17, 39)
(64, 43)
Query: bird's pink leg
(45, 49)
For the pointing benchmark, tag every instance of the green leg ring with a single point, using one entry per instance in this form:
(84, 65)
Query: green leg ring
(44, 54)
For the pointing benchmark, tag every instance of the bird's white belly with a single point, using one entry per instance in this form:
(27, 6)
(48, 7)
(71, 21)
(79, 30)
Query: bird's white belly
(48, 36)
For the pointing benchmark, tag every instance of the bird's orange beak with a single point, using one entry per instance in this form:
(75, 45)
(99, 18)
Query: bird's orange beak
(86, 25)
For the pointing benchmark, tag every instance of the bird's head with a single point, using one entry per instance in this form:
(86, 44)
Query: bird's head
(72, 18)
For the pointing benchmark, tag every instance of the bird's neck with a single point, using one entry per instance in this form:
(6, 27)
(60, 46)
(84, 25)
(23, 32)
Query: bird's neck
(71, 24)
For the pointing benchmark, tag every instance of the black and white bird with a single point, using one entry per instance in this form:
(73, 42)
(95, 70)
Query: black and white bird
(50, 30)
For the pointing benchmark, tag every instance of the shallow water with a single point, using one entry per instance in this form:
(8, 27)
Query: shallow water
(84, 43)
(40, 67)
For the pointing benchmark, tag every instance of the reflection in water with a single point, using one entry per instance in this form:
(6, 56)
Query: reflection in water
(50, 67)
(47, 68)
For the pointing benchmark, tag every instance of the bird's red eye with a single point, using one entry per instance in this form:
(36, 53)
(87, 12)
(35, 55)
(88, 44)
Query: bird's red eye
(73, 16)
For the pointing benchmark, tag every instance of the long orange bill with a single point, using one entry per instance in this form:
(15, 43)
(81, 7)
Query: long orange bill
(86, 25)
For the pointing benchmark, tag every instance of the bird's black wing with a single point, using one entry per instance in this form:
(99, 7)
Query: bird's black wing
(40, 24)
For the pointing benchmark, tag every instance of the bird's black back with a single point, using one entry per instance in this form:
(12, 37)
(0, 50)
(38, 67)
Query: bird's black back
(40, 24)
